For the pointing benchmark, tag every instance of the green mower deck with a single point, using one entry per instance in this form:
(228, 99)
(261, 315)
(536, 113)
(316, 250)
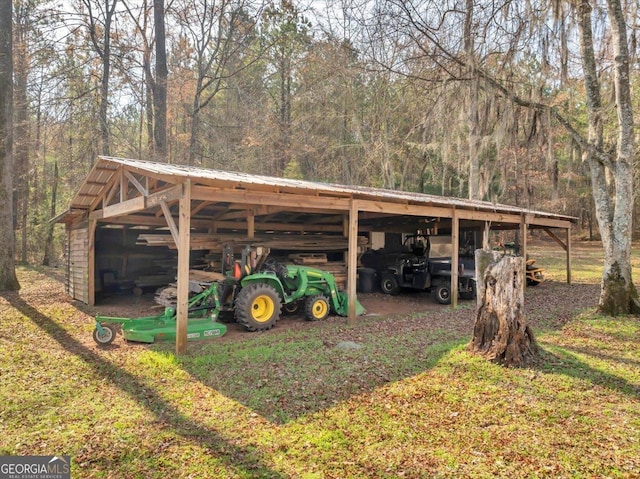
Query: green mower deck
(151, 329)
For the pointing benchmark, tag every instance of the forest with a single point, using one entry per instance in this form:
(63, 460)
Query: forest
(471, 98)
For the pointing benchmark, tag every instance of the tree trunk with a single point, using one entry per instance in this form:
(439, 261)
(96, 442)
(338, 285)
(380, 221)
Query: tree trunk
(48, 246)
(473, 114)
(21, 132)
(501, 333)
(106, 77)
(160, 84)
(614, 212)
(8, 280)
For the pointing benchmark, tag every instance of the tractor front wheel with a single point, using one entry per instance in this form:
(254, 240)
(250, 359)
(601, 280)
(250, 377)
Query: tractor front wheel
(258, 307)
(105, 337)
(316, 308)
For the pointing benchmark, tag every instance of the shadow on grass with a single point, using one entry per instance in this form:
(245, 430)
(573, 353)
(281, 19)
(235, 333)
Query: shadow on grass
(244, 461)
(634, 363)
(293, 374)
(563, 360)
(58, 274)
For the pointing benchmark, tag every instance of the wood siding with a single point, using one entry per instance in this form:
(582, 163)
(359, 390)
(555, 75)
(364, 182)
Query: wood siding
(78, 264)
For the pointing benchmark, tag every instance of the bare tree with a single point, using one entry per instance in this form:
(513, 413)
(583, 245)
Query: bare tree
(160, 84)
(48, 246)
(22, 135)
(218, 31)
(8, 279)
(142, 21)
(99, 25)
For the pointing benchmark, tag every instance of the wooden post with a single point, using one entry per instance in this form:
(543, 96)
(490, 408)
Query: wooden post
(251, 224)
(568, 255)
(123, 184)
(455, 250)
(352, 262)
(486, 232)
(91, 262)
(184, 245)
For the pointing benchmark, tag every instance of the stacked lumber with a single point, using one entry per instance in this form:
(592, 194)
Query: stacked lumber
(205, 276)
(214, 260)
(308, 258)
(289, 242)
(168, 295)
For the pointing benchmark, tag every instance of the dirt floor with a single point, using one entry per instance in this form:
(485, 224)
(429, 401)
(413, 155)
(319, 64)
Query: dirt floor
(376, 304)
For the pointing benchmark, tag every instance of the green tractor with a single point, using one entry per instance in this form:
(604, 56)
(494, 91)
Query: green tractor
(255, 298)
(263, 295)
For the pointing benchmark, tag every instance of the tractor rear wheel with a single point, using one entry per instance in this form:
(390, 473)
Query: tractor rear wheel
(257, 307)
(316, 308)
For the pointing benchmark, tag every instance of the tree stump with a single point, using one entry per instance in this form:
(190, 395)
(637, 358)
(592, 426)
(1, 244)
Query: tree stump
(501, 333)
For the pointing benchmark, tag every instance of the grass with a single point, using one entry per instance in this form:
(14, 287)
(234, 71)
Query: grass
(411, 402)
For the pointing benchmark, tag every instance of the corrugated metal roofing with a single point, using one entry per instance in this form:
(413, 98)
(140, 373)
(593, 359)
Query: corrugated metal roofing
(105, 167)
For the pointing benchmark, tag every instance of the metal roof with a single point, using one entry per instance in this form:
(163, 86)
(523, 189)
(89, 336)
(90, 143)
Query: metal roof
(105, 168)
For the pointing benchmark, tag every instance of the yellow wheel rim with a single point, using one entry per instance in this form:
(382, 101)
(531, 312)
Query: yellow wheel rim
(262, 308)
(319, 309)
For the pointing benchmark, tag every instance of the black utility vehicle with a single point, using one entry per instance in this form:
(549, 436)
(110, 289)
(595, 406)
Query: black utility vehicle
(411, 267)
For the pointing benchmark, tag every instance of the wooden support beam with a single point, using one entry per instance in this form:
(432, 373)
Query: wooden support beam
(137, 204)
(170, 223)
(352, 262)
(565, 246)
(555, 238)
(200, 207)
(134, 181)
(123, 184)
(549, 222)
(251, 224)
(265, 226)
(107, 193)
(112, 190)
(184, 240)
(91, 264)
(569, 255)
(401, 209)
(123, 208)
(152, 221)
(486, 235)
(455, 251)
(173, 193)
(266, 198)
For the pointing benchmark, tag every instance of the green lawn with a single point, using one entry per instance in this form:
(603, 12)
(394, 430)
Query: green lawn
(411, 402)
